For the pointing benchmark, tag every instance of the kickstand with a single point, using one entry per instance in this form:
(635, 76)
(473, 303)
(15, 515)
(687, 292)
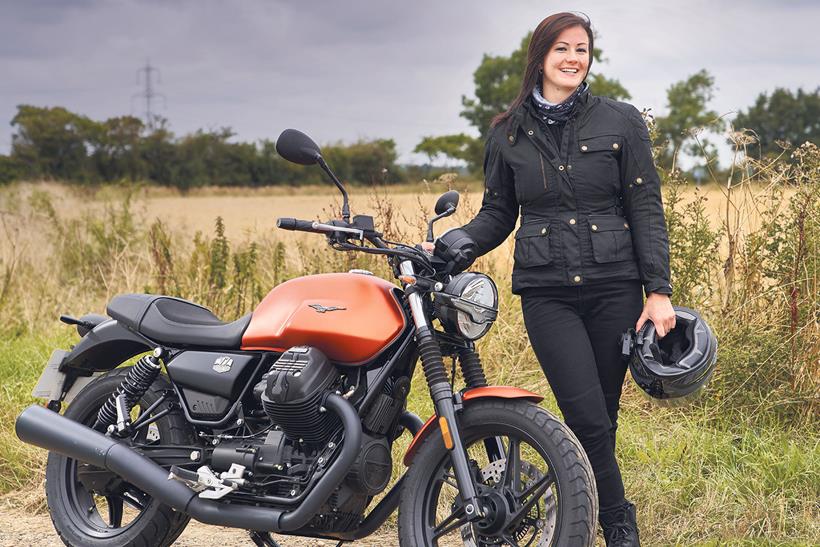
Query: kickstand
(262, 539)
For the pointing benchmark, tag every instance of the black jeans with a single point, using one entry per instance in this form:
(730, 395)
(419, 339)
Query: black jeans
(575, 332)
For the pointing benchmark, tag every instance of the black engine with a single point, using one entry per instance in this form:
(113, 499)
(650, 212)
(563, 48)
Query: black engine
(304, 439)
(293, 391)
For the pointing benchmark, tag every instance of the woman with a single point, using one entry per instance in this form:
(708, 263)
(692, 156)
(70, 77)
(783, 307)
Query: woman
(592, 236)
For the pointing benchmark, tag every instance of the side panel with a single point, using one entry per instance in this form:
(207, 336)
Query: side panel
(349, 317)
(103, 348)
(217, 373)
(499, 392)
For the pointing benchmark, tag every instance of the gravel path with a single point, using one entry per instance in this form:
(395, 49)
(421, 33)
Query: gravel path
(19, 529)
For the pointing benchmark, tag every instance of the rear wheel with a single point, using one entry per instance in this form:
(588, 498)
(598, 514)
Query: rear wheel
(91, 506)
(534, 481)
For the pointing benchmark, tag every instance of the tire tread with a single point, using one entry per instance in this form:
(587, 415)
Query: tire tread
(580, 530)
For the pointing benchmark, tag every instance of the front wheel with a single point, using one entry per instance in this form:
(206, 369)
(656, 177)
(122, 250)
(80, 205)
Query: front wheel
(533, 478)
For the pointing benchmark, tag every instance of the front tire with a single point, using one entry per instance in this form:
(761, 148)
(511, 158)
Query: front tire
(542, 473)
(91, 507)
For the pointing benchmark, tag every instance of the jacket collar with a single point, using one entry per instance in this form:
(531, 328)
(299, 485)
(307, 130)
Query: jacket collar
(525, 114)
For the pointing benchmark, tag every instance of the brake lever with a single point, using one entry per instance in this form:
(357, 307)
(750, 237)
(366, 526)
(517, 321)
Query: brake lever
(332, 229)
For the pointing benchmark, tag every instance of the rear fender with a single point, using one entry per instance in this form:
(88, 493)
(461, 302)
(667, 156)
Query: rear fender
(489, 392)
(103, 348)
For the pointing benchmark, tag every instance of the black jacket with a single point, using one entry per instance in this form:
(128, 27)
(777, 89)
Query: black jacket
(591, 208)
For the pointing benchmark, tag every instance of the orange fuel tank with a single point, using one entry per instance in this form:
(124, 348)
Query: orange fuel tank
(350, 317)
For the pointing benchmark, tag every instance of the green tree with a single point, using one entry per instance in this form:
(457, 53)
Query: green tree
(783, 116)
(453, 147)
(9, 169)
(374, 161)
(53, 143)
(207, 157)
(498, 80)
(117, 153)
(687, 104)
(159, 152)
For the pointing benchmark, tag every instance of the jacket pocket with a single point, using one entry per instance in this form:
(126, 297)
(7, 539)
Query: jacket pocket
(603, 143)
(611, 238)
(532, 245)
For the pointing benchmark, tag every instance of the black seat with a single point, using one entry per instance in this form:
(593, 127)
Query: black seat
(176, 322)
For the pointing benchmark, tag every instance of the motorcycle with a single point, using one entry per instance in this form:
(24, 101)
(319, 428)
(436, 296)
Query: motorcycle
(283, 421)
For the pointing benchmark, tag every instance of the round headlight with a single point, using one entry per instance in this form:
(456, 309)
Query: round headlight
(468, 305)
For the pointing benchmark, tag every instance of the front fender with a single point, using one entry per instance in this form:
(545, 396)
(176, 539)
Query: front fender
(489, 392)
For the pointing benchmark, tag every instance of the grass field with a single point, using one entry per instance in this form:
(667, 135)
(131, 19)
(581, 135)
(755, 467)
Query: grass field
(741, 467)
(253, 212)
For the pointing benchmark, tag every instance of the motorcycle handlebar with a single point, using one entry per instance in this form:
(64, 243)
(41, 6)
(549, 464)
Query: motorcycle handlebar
(287, 223)
(319, 228)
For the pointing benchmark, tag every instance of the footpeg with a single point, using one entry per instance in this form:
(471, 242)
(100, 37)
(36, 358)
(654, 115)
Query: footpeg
(207, 483)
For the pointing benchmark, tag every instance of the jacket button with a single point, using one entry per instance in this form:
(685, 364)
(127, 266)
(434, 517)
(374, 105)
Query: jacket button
(639, 180)
(584, 148)
(560, 167)
(626, 225)
(529, 132)
(511, 138)
(577, 278)
(615, 146)
(572, 221)
(594, 228)
(543, 230)
(569, 167)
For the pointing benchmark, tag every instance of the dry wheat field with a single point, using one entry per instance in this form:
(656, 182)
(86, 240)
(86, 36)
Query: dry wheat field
(253, 212)
(740, 467)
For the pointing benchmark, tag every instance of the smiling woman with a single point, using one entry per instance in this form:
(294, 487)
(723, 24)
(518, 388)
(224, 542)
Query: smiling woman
(566, 65)
(579, 169)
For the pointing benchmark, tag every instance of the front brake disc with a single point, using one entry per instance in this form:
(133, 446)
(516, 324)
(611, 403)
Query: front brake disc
(492, 473)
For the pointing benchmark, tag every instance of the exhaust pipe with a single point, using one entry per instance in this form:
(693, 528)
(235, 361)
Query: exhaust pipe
(46, 429)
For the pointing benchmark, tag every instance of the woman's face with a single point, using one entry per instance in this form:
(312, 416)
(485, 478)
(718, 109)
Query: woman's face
(566, 63)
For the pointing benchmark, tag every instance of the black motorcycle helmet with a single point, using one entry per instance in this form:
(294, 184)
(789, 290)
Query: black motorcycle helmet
(673, 369)
(456, 249)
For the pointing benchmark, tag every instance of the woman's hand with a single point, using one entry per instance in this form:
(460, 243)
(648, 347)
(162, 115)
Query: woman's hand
(658, 309)
(428, 247)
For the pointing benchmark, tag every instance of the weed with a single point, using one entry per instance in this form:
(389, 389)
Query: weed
(740, 465)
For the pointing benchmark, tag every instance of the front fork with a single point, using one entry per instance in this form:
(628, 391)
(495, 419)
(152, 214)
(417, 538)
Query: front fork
(443, 400)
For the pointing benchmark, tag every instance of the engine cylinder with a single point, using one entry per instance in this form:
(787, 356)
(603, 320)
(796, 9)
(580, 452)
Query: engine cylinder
(293, 393)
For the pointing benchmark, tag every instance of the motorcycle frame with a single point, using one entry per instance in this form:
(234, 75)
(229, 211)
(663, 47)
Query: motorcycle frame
(103, 340)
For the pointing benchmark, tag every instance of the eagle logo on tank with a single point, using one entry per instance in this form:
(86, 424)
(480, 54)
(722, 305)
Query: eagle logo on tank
(223, 364)
(324, 309)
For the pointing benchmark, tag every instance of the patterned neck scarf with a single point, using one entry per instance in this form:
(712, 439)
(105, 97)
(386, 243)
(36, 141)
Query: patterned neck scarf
(552, 112)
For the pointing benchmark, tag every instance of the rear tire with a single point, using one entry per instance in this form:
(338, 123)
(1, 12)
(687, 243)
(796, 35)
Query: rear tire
(551, 461)
(90, 518)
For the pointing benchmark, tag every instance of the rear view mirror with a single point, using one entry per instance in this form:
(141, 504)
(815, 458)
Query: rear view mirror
(446, 201)
(445, 206)
(297, 147)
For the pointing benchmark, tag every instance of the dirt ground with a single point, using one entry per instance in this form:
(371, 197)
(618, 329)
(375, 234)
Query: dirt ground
(18, 529)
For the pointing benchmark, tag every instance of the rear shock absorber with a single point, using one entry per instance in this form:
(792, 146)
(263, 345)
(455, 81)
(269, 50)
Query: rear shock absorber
(471, 369)
(136, 382)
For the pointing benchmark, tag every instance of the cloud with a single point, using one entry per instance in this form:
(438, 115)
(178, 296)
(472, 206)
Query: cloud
(345, 70)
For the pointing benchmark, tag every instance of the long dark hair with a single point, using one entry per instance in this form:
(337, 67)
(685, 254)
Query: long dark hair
(543, 38)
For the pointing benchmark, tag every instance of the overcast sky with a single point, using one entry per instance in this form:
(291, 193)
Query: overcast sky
(344, 70)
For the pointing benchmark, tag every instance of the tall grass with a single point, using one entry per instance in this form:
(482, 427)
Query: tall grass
(742, 463)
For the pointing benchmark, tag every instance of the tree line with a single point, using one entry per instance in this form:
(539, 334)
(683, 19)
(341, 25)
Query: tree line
(54, 143)
(774, 120)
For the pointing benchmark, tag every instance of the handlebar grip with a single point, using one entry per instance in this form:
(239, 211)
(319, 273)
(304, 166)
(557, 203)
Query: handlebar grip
(287, 223)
